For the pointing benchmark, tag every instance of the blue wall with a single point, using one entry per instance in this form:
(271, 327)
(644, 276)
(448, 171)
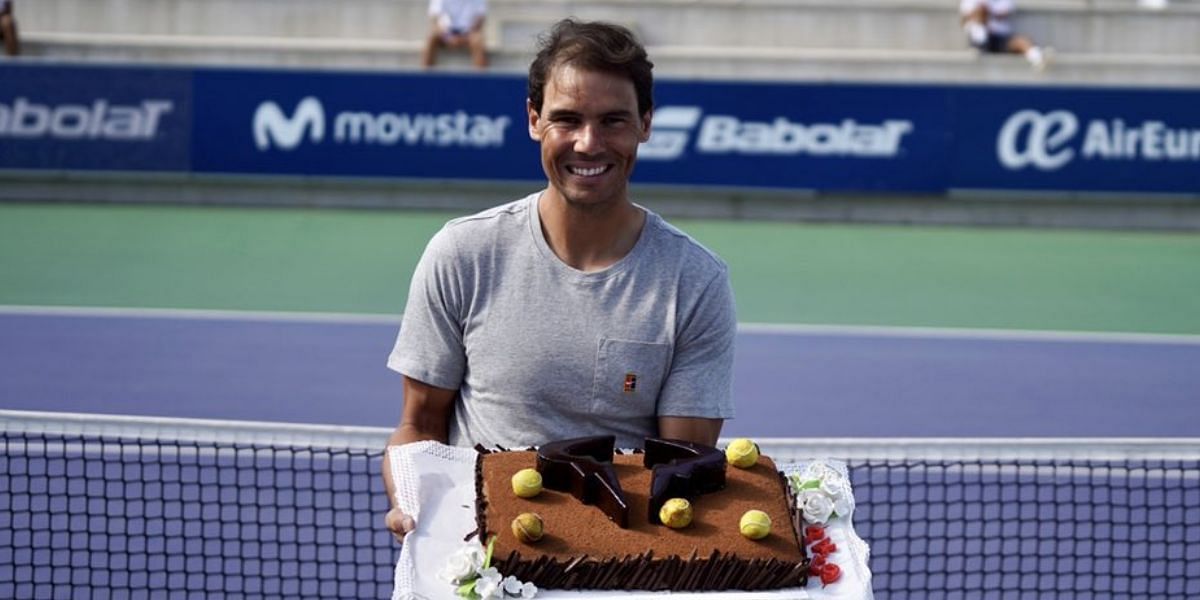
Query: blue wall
(817, 136)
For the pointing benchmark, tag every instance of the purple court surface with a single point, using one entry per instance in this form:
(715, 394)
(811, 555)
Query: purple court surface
(789, 381)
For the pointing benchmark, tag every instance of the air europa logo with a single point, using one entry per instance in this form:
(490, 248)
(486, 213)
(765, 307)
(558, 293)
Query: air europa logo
(308, 122)
(726, 134)
(1047, 141)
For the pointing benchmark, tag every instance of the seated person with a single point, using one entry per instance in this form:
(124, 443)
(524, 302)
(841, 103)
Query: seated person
(8, 29)
(456, 23)
(989, 29)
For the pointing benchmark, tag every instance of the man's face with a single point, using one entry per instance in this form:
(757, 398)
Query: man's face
(589, 130)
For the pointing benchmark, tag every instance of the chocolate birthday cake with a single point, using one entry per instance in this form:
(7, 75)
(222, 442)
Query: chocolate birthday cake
(600, 513)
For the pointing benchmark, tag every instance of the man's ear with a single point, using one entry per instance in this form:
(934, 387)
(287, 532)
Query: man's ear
(534, 119)
(646, 124)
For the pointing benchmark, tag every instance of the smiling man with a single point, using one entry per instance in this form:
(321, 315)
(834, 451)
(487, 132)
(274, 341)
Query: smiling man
(573, 311)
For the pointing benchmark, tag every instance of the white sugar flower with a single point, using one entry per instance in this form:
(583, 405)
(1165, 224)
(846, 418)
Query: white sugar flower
(512, 586)
(818, 476)
(528, 590)
(488, 584)
(462, 566)
(815, 505)
(817, 470)
(831, 480)
(515, 588)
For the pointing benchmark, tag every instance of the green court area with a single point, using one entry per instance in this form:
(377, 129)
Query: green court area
(360, 261)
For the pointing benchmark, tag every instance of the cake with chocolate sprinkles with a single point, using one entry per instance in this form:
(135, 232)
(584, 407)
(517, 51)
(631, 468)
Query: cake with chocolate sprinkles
(601, 529)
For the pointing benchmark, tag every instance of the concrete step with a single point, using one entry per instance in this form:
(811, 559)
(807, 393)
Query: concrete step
(1088, 26)
(911, 25)
(350, 19)
(679, 61)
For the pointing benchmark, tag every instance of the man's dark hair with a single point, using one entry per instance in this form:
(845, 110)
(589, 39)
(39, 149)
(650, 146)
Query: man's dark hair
(592, 46)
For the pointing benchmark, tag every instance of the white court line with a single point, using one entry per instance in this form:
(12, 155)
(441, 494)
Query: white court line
(201, 314)
(783, 329)
(969, 333)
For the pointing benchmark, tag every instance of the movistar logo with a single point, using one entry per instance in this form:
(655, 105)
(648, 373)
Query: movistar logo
(673, 127)
(272, 127)
(308, 123)
(100, 120)
(1049, 141)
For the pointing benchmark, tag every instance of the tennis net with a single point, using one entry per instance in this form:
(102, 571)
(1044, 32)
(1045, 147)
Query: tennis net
(121, 507)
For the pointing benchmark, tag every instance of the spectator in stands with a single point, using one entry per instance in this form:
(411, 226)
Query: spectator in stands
(989, 29)
(8, 29)
(455, 24)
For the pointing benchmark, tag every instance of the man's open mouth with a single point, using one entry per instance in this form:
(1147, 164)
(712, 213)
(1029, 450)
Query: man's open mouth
(589, 171)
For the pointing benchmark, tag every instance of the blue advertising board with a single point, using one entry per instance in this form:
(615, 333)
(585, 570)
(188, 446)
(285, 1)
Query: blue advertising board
(363, 125)
(1069, 139)
(95, 118)
(812, 136)
(795, 135)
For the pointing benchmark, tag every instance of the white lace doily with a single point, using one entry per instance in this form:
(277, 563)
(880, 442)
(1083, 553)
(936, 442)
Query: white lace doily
(435, 484)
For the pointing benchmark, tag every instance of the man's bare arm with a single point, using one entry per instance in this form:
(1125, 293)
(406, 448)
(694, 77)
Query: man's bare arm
(426, 416)
(690, 429)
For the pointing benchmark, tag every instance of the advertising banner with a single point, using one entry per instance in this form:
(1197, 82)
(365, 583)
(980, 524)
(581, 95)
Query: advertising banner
(810, 136)
(834, 137)
(94, 118)
(1076, 139)
(363, 125)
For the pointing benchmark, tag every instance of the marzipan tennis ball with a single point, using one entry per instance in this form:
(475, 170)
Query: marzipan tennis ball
(528, 528)
(676, 513)
(527, 483)
(742, 453)
(755, 524)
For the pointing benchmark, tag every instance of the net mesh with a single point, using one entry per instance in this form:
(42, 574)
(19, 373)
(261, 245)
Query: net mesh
(1031, 528)
(104, 517)
(108, 516)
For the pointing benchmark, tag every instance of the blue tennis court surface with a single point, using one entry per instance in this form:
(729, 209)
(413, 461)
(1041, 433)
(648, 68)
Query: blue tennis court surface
(789, 382)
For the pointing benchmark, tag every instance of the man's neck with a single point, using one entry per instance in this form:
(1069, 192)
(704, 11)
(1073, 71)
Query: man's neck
(589, 238)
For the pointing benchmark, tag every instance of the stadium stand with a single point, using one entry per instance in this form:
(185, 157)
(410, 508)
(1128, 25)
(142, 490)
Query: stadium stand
(1097, 41)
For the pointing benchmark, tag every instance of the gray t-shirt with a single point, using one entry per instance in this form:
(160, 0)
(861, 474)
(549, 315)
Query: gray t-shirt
(540, 351)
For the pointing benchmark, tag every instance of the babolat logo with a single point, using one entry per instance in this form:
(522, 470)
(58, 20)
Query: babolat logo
(669, 133)
(1048, 141)
(100, 120)
(724, 134)
(308, 122)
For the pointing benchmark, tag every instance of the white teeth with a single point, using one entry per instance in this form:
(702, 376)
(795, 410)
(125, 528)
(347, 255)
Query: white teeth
(588, 172)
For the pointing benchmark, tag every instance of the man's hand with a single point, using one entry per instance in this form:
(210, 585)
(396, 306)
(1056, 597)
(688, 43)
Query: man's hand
(399, 524)
(427, 411)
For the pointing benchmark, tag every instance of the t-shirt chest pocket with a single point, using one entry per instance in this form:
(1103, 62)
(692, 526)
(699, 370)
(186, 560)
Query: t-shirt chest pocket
(629, 377)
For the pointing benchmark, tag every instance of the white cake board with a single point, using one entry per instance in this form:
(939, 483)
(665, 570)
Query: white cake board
(436, 485)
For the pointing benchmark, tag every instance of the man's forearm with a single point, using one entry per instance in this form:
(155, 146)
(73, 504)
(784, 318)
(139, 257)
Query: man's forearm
(427, 411)
(406, 433)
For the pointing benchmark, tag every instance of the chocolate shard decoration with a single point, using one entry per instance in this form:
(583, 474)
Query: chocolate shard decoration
(583, 467)
(681, 470)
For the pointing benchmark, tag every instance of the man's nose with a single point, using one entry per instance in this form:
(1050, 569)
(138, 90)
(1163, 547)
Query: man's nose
(588, 140)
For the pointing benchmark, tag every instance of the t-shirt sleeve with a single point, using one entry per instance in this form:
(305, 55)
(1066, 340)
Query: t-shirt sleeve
(700, 381)
(429, 347)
